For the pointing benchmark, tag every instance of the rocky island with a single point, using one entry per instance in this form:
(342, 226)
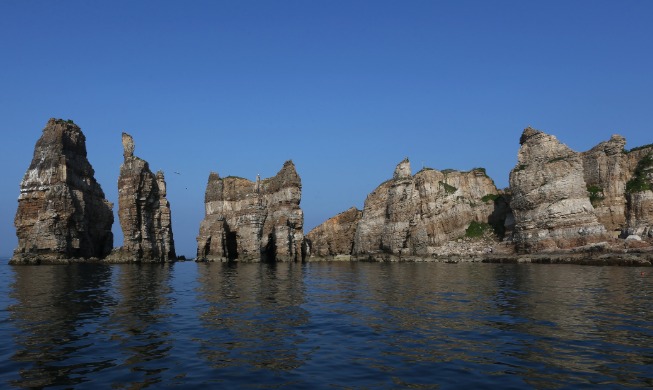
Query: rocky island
(62, 212)
(143, 210)
(562, 206)
(253, 221)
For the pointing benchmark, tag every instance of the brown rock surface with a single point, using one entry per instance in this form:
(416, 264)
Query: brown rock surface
(606, 171)
(550, 200)
(639, 197)
(253, 221)
(62, 212)
(335, 236)
(412, 215)
(143, 210)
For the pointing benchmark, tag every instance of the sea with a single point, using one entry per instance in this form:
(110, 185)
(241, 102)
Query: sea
(326, 326)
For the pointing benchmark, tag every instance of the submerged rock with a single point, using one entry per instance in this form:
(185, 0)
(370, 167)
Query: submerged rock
(253, 221)
(143, 210)
(62, 212)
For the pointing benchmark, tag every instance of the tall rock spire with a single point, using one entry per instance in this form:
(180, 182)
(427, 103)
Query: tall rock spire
(143, 209)
(62, 212)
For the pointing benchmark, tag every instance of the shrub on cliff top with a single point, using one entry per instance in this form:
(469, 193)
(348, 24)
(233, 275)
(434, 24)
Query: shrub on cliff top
(638, 148)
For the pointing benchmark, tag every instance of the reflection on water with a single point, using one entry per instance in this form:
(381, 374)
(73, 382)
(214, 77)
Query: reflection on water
(252, 319)
(325, 325)
(55, 309)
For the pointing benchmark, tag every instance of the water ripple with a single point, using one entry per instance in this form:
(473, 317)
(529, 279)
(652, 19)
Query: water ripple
(326, 325)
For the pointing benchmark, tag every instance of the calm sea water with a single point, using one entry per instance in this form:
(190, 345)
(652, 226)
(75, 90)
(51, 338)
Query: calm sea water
(326, 325)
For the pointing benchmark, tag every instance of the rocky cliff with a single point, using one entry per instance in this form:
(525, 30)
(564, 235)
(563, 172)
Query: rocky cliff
(335, 236)
(639, 195)
(606, 170)
(253, 221)
(143, 210)
(62, 212)
(550, 200)
(412, 215)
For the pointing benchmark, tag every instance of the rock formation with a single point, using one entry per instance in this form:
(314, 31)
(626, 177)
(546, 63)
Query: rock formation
(608, 168)
(639, 196)
(550, 198)
(335, 236)
(253, 221)
(62, 212)
(606, 171)
(143, 210)
(411, 215)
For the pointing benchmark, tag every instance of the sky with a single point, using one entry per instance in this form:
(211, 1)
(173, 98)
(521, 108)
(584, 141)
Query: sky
(346, 89)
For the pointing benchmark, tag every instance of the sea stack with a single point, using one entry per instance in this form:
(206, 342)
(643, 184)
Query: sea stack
(143, 210)
(62, 212)
(253, 221)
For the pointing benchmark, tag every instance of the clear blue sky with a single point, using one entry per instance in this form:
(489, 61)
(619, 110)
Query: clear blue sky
(346, 89)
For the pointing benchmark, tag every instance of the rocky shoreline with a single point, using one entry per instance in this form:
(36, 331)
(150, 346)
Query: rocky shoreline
(627, 259)
(562, 207)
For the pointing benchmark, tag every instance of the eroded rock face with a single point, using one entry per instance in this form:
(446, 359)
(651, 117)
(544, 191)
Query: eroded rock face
(639, 196)
(412, 215)
(143, 210)
(335, 236)
(62, 212)
(550, 199)
(606, 171)
(253, 221)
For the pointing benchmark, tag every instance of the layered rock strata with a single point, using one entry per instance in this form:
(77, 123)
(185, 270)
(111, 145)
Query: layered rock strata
(412, 215)
(62, 212)
(639, 198)
(335, 237)
(253, 221)
(605, 171)
(550, 199)
(143, 210)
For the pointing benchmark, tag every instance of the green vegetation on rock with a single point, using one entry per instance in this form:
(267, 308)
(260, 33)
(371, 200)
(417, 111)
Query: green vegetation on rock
(449, 189)
(640, 182)
(490, 197)
(595, 194)
(477, 229)
(557, 159)
(639, 148)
